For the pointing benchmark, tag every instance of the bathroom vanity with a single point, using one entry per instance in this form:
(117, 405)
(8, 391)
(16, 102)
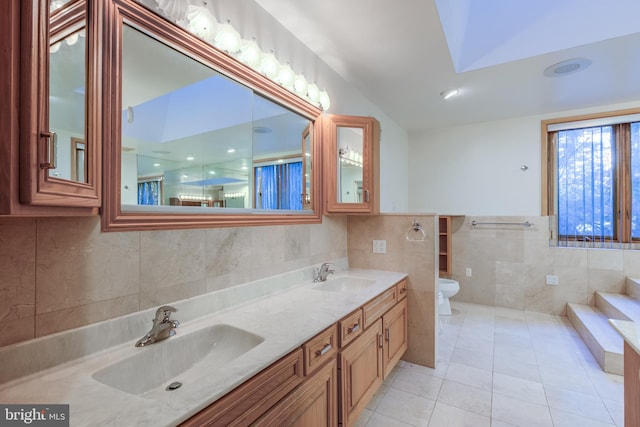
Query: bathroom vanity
(278, 351)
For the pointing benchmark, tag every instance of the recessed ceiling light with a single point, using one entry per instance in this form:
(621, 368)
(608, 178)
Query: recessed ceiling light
(212, 172)
(231, 150)
(564, 68)
(449, 93)
(156, 165)
(190, 158)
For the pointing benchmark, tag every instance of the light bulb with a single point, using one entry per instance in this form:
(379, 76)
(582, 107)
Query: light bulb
(269, 65)
(250, 53)
(201, 22)
(285, 76)
(313, 93)
(300, 85)
(54, 47)
(324, 100)
(227, 38)
(173, 9)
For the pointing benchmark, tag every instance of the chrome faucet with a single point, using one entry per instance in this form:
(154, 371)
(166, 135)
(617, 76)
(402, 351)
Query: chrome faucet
(323, 272)
(163, 327)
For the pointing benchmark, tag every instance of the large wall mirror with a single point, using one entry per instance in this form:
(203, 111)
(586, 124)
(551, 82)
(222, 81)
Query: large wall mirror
(201, 140)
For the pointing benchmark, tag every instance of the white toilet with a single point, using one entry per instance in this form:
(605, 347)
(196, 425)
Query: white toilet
(447, 288)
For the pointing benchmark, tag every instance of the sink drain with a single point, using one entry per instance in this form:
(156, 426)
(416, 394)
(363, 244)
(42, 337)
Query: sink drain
(174, 386)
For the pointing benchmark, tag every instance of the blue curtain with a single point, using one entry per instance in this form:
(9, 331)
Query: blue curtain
(291, 185)
(149, 193)
(280, 186)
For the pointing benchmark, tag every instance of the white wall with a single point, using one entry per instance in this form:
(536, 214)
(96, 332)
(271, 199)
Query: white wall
(475, 169)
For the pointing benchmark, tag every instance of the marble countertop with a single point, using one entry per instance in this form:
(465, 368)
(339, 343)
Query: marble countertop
(630, 331)
(285, 320)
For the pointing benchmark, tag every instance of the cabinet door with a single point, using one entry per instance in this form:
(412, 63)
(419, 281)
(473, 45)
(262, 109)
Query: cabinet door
(313, 404)
(352, 162)
(395, 324)
(360, 372)
(60, 124)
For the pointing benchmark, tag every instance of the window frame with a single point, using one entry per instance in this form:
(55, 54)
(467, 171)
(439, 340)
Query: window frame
(622, 172)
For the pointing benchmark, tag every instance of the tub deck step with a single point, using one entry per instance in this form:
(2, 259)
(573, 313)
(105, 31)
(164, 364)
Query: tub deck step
(604, 342)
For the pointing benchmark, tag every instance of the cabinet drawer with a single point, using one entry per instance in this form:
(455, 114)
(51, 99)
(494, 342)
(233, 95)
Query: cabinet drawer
(402, 289)
(350, 327)
(375, 308)
(320, 348)
(253, 398)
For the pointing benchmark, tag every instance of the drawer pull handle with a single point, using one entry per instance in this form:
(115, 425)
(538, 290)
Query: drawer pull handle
(387, 334)
(403, 290)
(380, 341)
(354, 328)
(324, 350)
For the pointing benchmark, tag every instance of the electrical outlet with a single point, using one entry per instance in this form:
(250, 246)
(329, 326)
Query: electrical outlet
(379, 246)
(552, 280)
(468, 272)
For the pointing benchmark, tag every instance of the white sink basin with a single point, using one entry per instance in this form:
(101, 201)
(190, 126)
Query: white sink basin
(344, 284)
(163, 361)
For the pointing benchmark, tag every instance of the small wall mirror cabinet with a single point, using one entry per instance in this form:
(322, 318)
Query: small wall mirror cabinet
(60, 121)
(351, 164)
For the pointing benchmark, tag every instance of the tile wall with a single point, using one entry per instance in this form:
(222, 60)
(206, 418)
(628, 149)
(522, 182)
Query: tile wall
(510, 263)
(58, 274)
(416, 258)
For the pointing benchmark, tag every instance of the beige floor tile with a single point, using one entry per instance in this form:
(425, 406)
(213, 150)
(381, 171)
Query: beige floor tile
(472, 359)
(567, 419)
(527, 390)
(516, 368)
(419, 384)
(616, 410)
(466, 397)
(464, 374)
(379, 420)
(578, 403)
(450, 416)
(520, 413)
(405, 407)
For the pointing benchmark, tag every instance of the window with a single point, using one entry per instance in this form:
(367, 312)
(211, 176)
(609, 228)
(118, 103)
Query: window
(591, 186)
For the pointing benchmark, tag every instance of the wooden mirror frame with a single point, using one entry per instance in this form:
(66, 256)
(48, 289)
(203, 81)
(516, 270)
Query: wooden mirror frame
(119, 12)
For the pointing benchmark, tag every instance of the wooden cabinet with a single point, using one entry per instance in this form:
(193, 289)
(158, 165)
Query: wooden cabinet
(351, 164)
(367, 360)
(313, 404)
(249, 401)
(394, 324)
(444, 224)
(361, 372)
(45, 174)
(631, 386)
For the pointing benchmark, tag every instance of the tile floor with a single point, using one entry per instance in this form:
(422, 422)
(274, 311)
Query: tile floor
(499, 367)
